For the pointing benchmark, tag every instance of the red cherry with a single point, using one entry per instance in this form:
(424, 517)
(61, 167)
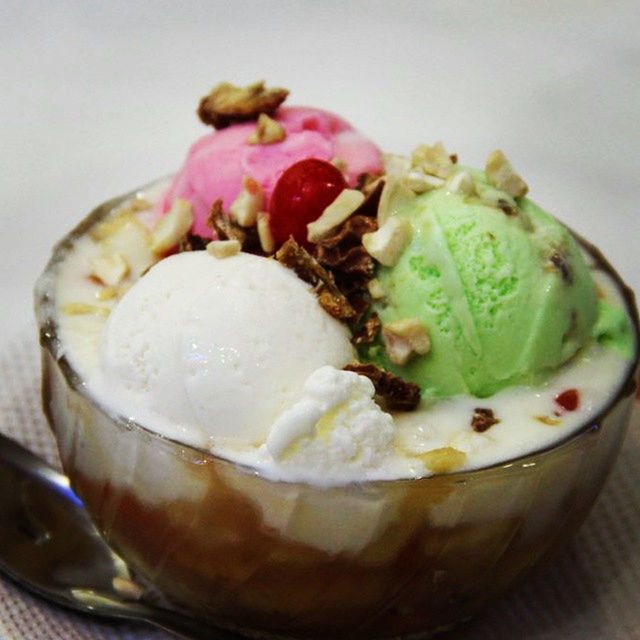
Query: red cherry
(569, 400)
(300, 196)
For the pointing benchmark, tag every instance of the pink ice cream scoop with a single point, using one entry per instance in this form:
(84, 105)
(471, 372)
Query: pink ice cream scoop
(217, 163)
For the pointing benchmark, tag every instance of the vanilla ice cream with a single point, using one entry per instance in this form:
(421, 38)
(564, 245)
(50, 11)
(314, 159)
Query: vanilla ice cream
(203, 349)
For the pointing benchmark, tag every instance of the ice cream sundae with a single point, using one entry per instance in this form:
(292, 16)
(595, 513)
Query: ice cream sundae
(322, 324)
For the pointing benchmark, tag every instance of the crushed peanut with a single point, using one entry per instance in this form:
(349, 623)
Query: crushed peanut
(395, 196)
(462, 184)
(502, 176)
(335, 214)
(443, 460)
(224, 248)
(388, 243)
(376, 290)
(339, 164)
(126, 235)
(84, 309)
(420, 182)
(267, 131)
(396, 165)
(432, 160)
(227, 103)
(267, 241)
(245, 208)
(111, 270)
(107, 293)
(173, 227)
(405, 338)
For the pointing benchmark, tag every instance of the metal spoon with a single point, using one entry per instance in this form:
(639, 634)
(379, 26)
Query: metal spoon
(49, 546)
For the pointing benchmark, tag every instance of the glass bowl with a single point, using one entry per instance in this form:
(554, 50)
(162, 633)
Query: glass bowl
(384, 559)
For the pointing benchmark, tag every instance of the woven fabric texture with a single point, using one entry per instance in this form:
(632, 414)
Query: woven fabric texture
(590, 591)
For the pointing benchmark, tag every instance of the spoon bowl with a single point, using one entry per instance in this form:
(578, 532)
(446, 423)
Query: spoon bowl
(49, 546)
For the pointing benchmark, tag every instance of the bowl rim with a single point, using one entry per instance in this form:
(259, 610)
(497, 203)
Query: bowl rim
(49, 340)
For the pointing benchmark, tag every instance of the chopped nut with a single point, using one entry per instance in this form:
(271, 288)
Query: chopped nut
(227, 229)
(501, 175)
(106, 293)
(244, 209)
(268, 131)
(443, 460)
(128, 589)
(375, 289)
(227, 103)
(173, 227)
(398, 394)
(140, 203)
(83, 309)
(433, 160)
(223, 248)
(111, 270)
(395, 195)
(405, 338)
(461, 183)
(267, 241)
(335, 214)
(111, 225)
(388, 243)
(396, 165)
(420, 182)
(368, 332)
(548, 420)
(126, 235)
(339, 164)
(483, 419)
(295, 257)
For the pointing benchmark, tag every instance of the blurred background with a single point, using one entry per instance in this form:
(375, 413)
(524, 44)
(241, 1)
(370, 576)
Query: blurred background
(98, 98)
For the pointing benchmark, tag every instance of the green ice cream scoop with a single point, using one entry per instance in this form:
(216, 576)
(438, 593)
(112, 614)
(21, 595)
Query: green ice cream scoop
(505, 295)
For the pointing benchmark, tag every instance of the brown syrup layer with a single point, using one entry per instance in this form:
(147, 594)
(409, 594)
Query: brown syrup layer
(217, 559)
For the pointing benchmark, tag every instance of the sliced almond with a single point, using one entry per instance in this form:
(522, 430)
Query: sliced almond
(267, 242)
(245, 208)
(83, 309)
(387, 244)
(335, 214)
(502, 176)
(111, 269)
(267, 131)
(376, 290)
(405, 338)
(433, 160)
(444, 459)
(172, 227)
(462, 184)
(223, 248)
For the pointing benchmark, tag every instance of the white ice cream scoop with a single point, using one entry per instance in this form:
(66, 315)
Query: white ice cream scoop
(203, 349)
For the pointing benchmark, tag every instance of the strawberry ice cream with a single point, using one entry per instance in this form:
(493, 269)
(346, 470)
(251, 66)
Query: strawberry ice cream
(217, 163)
